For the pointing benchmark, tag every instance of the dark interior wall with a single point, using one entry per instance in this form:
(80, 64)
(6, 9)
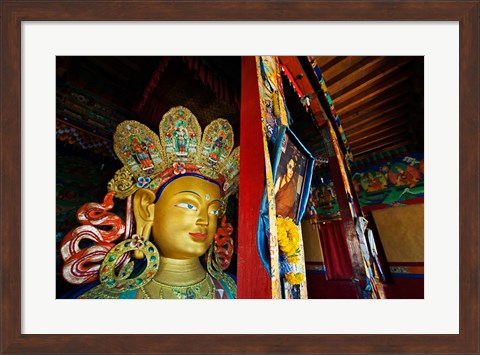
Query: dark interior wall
(80, 178)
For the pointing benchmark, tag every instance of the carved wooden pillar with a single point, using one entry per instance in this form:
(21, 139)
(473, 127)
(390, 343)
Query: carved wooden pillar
(253, 280)
(345, 202)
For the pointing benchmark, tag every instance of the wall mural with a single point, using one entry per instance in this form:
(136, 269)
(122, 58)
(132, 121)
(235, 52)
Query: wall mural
(323, 203)
(397, 182)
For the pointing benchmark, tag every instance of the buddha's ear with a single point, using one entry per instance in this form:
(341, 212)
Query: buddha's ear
(144, 210)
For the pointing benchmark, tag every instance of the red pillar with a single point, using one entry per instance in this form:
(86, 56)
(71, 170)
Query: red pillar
(253, 280)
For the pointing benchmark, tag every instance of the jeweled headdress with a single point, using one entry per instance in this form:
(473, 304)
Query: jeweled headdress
(151, 161)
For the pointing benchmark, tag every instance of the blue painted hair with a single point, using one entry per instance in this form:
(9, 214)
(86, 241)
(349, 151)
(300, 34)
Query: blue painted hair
(160, 190)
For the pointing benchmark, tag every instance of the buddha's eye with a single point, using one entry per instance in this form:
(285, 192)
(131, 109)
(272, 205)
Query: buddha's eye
(215, 213)
(187, 206)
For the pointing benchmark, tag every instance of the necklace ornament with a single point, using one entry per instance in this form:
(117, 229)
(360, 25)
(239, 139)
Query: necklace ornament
(204, 289)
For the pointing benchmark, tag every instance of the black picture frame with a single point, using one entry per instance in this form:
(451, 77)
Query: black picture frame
(289, 151)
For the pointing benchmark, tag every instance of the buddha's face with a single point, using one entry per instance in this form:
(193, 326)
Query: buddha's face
(186, 217)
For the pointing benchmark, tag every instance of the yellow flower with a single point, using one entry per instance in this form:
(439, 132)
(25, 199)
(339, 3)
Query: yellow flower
(293, 259)
(288, 237)
(289, 243)
(294, 278)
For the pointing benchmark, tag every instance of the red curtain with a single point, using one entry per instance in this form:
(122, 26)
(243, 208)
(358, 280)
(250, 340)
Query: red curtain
(336, 257)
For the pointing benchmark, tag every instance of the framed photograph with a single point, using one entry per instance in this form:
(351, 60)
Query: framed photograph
(292, 166)
(25, 208)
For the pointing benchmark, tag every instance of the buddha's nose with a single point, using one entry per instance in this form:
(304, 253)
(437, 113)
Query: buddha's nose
(203, 217)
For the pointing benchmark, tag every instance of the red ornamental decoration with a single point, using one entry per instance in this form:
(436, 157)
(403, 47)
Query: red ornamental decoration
(82, 264)
(224, 244)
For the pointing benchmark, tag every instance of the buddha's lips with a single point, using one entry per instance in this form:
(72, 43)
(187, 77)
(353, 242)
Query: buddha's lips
(199, 235)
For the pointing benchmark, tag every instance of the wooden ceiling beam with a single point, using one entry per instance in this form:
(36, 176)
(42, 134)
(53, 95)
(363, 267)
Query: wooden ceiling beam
(301, 79)
(384, 146)
(379, 76)
(393, 137)
(367, 74)
(372, 66)
(373, 97)
(365, 62)
(398, 109)
(380, 149)
(380, 134)
(389, 96)
(340, 66)
(372, 92)
(324, 59)
(356, 121)
(374, 116)
(330, 63)
(377, 126)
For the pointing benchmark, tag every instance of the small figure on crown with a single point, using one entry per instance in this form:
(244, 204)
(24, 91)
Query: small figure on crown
(181, 138)
(140, 151)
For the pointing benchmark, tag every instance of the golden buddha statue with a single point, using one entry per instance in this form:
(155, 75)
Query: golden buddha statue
(179, 191)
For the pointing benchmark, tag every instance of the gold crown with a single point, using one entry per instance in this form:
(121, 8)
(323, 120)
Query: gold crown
(150, 161)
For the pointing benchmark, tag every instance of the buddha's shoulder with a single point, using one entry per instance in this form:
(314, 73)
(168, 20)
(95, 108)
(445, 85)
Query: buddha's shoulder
(101, 292)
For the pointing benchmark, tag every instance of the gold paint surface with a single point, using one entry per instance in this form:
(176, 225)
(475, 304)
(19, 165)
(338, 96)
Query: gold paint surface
(311, 242)
(183, 212)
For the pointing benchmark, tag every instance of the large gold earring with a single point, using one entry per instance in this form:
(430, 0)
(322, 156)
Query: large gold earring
(119, 281)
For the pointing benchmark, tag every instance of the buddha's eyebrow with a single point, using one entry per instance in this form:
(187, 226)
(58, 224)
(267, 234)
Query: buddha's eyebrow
(185, 191)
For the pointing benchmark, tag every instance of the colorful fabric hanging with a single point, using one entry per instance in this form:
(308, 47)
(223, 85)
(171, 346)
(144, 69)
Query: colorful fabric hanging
(272, 237)
(287, 275)
(372, 278)
(338, 265)
(323, 85)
